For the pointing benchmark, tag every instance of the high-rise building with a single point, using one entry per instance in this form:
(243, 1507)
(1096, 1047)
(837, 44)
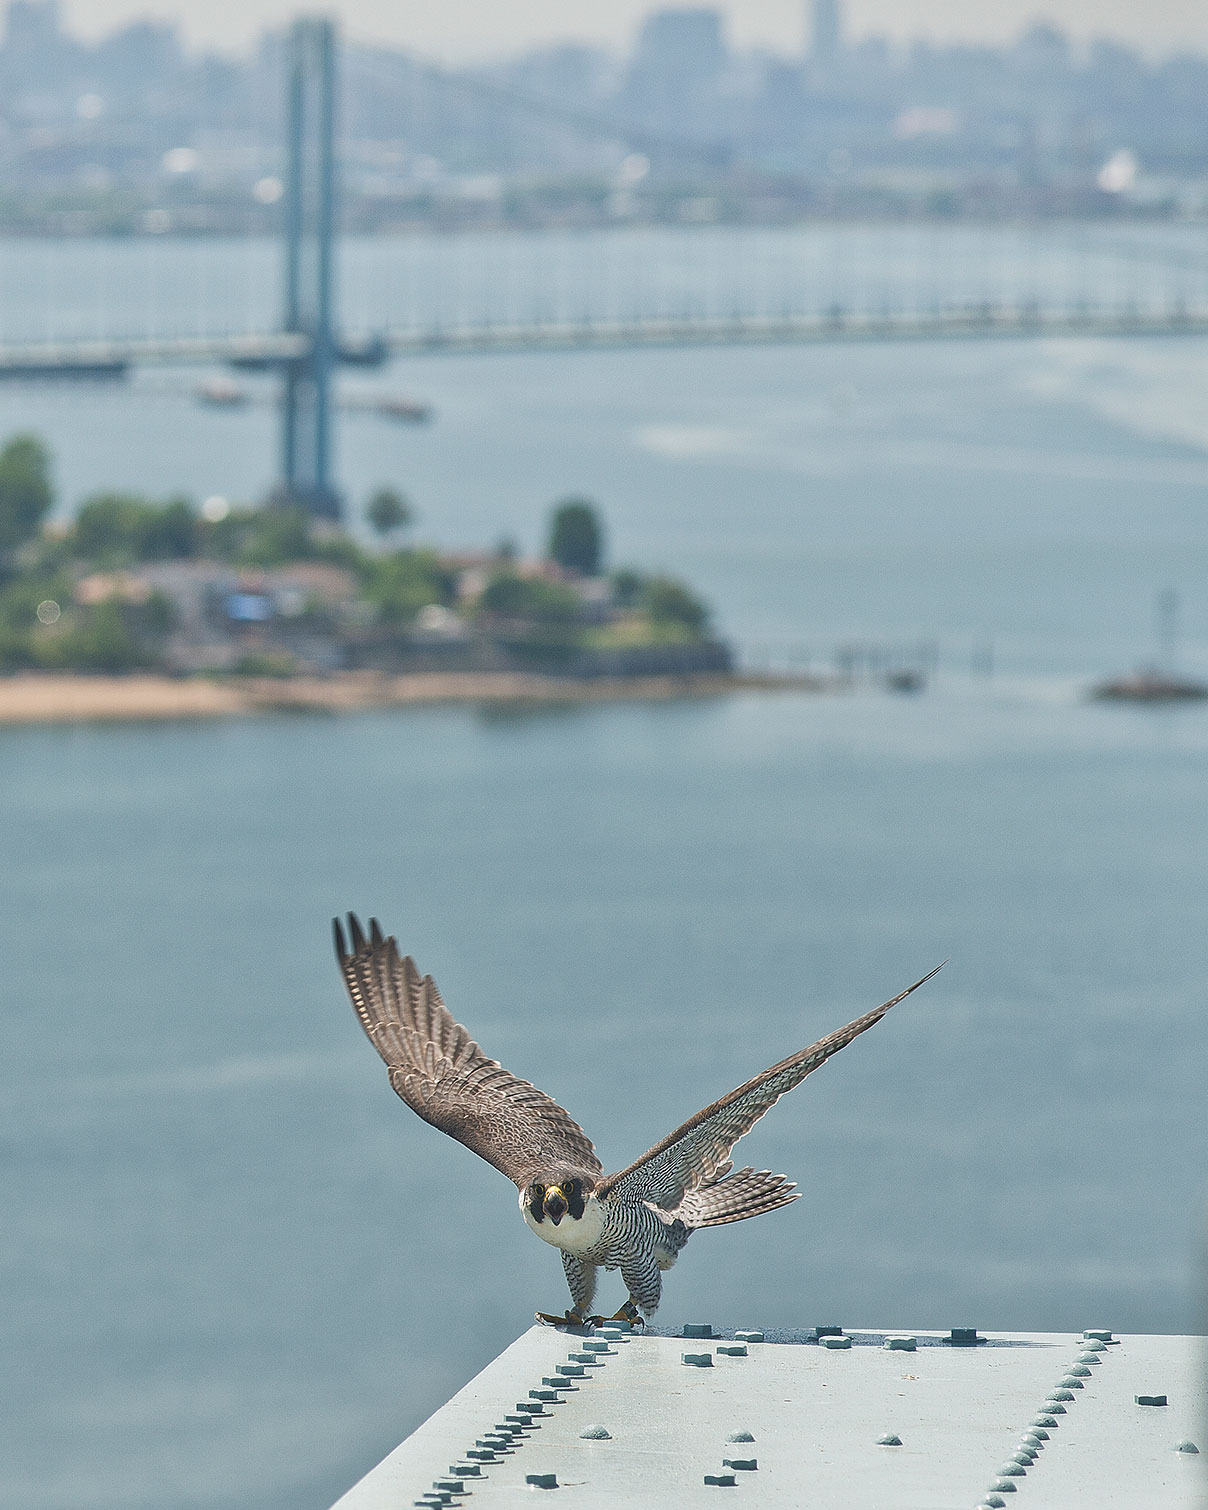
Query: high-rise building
(825, 30)
(687, 43)
(677, 69)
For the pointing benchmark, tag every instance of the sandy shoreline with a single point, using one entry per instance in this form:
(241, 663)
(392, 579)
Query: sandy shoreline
(68, 698)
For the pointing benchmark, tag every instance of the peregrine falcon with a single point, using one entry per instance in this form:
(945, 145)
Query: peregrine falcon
(637, 1220)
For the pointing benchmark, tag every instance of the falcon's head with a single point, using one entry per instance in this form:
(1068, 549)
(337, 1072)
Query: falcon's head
(558, 1193)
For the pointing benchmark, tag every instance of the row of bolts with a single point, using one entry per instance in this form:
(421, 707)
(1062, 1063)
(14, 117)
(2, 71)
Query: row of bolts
(1032, 1443)
(595, 1350)
(503, 1437)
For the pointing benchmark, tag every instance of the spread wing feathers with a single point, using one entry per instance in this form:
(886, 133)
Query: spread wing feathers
(441, 1073)
(693, 1154)
(734, 1197)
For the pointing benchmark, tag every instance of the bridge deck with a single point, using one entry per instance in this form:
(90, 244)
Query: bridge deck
(819, 1417)
(268, 349)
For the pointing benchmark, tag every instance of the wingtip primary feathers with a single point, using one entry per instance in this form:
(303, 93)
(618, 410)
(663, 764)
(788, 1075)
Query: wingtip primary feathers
(355, 942)
(440, 1072)
(693, 1153)
(922, 981)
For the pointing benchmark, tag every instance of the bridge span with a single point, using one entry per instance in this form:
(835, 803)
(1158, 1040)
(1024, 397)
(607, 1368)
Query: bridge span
(628, 289)
(114, 358)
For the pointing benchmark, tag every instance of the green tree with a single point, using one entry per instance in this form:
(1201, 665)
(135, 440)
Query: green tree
(666, 601)
(507, 596)
(119, 528)
(627, 587)
(101, 638)
(402, 583)
(389, 511)
(277, 535)
(26, 493)
(19, 624)
(576, 538)
(170, 532)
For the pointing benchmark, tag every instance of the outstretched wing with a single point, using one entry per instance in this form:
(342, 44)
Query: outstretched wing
(441, 1073)
(693, 1154)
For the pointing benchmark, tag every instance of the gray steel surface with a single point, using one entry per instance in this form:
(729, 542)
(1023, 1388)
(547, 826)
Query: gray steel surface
(841, 1422)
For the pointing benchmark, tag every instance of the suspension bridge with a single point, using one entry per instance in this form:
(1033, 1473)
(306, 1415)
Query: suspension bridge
(704, 285)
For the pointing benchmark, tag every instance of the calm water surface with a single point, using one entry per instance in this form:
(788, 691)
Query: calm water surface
(236, 1269)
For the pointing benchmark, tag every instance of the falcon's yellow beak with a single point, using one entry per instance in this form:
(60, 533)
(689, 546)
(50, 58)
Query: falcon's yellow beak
(555, 1204)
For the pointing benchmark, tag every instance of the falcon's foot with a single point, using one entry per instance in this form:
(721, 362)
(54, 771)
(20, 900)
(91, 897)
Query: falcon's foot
(628, 1313)
(572, 1318)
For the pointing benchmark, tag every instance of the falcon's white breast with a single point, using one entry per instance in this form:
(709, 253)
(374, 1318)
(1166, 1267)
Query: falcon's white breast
(572, 1236)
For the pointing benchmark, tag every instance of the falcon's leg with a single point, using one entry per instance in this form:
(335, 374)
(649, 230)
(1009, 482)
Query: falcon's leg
(581, 1280)
(643, 1280)
(581, 1277)
(628, 1313)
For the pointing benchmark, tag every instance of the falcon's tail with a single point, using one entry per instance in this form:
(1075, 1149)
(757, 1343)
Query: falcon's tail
(734, 1197)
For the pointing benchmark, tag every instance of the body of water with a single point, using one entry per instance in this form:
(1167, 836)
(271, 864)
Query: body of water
(236, 1269)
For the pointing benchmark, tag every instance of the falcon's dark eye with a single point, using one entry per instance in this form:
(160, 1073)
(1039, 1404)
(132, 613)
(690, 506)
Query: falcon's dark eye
(536, 1199)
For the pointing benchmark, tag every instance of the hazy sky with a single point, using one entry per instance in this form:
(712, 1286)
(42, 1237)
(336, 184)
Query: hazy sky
(472, 29)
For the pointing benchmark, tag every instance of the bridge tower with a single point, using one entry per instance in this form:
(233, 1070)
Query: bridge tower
(310, 191)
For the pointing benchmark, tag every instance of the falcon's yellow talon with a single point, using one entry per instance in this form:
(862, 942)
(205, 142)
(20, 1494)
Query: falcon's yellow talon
(572, 1318)
(628, 1313)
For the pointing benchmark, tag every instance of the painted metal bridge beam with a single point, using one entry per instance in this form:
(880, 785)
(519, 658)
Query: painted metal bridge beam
(828, 1419)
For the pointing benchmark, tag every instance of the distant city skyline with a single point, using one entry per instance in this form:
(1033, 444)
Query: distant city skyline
(477, 30)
